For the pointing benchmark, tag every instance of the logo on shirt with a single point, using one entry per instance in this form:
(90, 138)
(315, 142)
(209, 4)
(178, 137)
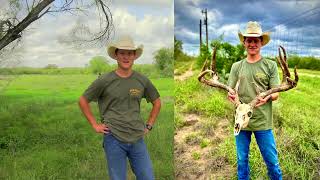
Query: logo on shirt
(135, 92)
(261, 76)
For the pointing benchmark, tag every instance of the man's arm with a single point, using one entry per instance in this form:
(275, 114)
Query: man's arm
(273, 97)
(86, 110)
(156, 106)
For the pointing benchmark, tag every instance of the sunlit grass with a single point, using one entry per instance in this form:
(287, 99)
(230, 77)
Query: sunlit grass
(296, 126)
(43, 134)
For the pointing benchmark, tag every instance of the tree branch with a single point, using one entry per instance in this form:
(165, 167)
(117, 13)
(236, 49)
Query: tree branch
(15, 32)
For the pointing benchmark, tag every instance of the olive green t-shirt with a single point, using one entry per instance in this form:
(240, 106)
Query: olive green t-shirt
(264, 74)
(119, 103)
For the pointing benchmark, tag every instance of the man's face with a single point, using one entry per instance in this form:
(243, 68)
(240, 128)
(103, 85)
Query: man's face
(253, 45)
(125, 58)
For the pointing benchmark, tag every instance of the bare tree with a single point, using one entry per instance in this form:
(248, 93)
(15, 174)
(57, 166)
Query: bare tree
(22, 13)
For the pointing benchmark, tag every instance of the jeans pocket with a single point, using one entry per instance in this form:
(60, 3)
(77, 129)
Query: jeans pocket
(104, 138)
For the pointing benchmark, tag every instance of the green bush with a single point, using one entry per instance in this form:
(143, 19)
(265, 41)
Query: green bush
(308, 62)
(226, 55)
(163, 59)
(98, 65)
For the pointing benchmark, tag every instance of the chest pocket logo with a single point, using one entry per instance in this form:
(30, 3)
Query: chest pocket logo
(261, 76)
(135, 92)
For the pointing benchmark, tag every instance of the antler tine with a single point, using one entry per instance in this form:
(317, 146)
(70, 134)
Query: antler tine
(286, 84)
(213, 82)
(212, 72)
(213, 60)
(296, 77)
(285, 69)
(284, 61)
(203, 70)
(279, 61)
(204, 65)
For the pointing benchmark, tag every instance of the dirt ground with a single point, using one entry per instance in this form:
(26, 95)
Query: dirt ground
(194, 160)
(196, 144)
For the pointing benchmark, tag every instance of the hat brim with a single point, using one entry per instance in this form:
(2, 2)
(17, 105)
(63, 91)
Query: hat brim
(112, 50)
(265, 37)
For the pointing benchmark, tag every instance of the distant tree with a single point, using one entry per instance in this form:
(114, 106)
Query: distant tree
(21, 13)
(163, 59)
(180, 57)
(177, 47)
(227, 54)
(51, 66)
(98, 65)
(306, 62)
(204, 54)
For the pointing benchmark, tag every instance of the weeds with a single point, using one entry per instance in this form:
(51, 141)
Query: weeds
(196, 155)
(296, 126)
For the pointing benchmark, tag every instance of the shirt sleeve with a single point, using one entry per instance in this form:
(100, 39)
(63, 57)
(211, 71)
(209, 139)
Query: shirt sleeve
(274, 76)
(95, 90)
(150, 92)
(232, 80)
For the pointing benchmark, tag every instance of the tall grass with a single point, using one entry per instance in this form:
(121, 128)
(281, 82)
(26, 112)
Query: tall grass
(296, 126)
(43, 134)
(149, 70)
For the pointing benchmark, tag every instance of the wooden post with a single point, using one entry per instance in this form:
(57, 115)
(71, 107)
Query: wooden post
(205, 12)
(200, 35)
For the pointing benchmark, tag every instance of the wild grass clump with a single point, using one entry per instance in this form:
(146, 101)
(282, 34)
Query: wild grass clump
(296, 126)
(192, 96)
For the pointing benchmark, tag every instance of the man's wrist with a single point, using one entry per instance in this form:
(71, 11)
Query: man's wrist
(149, 126)
(94, 123)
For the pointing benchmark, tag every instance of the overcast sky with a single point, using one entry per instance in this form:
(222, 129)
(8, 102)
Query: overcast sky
(42, 42)
(292, 23)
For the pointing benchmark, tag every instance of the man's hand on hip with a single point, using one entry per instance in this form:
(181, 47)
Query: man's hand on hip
(101, 128)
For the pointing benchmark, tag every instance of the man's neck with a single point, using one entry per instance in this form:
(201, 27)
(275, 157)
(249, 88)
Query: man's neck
(253, 58)
(124, 72)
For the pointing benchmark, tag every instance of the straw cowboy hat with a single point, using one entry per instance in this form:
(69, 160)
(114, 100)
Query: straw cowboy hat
(124, 42)
(254, 30)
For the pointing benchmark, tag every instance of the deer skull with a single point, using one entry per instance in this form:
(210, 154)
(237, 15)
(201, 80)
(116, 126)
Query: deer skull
(242, 117)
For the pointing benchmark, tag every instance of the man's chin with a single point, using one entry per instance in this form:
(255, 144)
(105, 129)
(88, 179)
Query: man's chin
(126, 67)
(252, 53)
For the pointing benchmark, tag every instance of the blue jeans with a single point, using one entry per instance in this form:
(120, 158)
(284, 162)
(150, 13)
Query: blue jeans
(267, 146)
(117, 153)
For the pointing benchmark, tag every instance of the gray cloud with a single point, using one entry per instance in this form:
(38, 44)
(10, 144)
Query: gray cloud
(42, 42)
(291, 22)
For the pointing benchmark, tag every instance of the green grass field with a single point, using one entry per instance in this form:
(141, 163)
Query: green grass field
(43, 134)
(296, 125)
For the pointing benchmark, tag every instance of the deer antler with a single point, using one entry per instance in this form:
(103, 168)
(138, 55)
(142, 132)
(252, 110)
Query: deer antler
(214, 81)
(286, 83)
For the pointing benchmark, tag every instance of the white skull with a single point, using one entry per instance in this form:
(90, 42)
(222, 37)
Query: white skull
(242, 117)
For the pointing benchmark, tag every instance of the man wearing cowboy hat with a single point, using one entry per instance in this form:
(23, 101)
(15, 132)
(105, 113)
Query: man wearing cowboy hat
(256, 71)
(119, 94)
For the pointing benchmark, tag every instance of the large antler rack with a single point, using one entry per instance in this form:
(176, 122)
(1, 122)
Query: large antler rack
(214, 81)
(286, 84)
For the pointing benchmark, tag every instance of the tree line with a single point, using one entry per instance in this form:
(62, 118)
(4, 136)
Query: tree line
(227, 54)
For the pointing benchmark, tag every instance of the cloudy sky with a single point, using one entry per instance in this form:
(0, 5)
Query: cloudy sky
(292, 23)
(43, 44)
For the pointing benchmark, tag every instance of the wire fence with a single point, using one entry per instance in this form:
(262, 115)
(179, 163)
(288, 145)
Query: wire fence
(295, 33)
